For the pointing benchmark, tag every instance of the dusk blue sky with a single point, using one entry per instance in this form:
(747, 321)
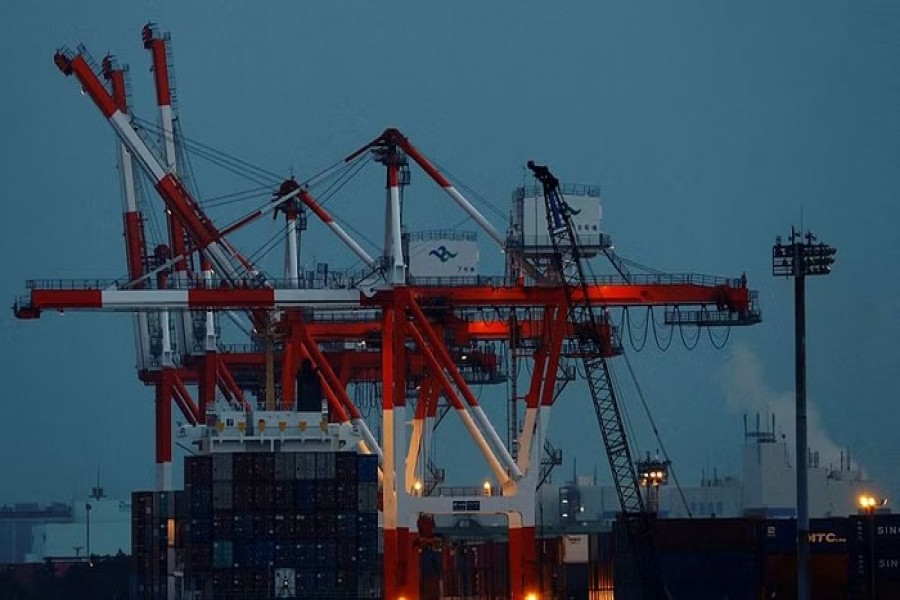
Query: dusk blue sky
(712, 127)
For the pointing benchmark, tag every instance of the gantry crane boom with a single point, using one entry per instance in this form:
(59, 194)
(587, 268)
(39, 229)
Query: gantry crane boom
(230, 265)
(133, 220)
(587, 318)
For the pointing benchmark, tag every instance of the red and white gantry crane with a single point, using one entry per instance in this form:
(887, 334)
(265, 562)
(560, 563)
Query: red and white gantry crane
(420, 341)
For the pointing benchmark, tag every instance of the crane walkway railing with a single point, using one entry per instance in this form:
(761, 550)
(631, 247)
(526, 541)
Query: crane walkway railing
(466, 491)
(567, 189)
(456, 281)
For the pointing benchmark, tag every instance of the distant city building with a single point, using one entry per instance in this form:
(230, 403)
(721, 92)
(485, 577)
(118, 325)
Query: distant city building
(17, 521)
(96, 526)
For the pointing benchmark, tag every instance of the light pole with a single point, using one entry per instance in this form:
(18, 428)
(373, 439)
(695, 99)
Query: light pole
(87, 512)
(799, 259)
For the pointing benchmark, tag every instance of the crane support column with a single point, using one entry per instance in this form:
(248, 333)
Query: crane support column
(164, 431)
(210, 341)
(389, 494)
(398, 273)
(407, 556)
(292, 258)
(158, 46)
(290, 345)
(207, 384)
(522, 556)
(135, 244)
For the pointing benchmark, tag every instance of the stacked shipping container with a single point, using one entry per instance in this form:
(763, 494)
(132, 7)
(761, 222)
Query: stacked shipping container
(304, 524)
(828, 558)
(157, 539)
(874, 556)
(466, 569)
(747, 558)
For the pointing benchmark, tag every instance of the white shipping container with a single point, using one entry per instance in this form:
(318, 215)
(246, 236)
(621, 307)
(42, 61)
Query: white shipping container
(575, 549)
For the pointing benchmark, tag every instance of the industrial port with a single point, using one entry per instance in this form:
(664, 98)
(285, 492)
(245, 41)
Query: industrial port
(383, 429)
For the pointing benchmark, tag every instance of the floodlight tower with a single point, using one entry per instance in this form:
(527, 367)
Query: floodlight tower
(653, 474)
(798, 259)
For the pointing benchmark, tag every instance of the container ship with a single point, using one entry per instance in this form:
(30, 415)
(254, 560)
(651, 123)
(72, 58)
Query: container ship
(275, 502)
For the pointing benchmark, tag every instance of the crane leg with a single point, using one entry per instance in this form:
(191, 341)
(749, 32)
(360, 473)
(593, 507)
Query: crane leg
(208, 383)
(407, 572)
(522, 558)
(164, 431)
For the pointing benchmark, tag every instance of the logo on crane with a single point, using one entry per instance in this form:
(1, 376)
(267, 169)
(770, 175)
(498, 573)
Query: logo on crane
(443, 254)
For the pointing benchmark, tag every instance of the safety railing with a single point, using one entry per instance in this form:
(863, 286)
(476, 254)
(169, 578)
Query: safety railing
(668, 279)
(459, 281)
(452, 281)
(567, 189)
(442, 234)
(72, 284)
(467, 491)
(534, 243)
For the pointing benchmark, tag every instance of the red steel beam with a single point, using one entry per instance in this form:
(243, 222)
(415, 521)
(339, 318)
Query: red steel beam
(735, 299)
(183, 400)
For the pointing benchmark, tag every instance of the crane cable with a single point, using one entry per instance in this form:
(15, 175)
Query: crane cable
(202, 149)
(234, 197)
(471, 191)
(344, 175)
(228, 164)
(639, 266)
(270, 244)
(684, 340)
(656, 433)
(232, 163)
(668, 344)
(626, 321)
(725, 338)
(185, 158)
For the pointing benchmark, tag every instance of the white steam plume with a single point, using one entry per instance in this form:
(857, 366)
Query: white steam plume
(747, 391)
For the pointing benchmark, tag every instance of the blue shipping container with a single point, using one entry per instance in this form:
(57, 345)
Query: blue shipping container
(367, 468)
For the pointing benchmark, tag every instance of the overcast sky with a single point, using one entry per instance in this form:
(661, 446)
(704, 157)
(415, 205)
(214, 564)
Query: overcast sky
(712, 127)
